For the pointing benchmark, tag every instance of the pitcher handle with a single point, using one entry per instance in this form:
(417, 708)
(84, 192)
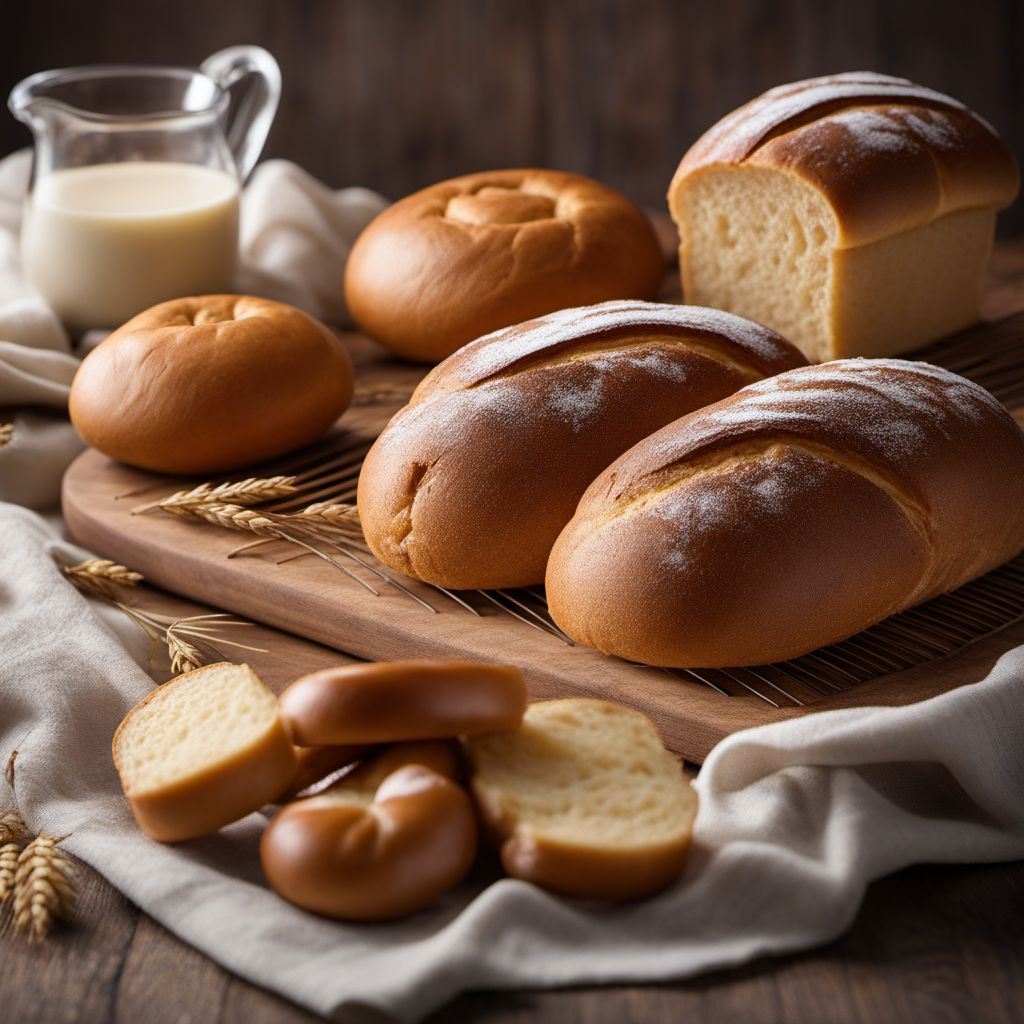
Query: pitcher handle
(250, 123)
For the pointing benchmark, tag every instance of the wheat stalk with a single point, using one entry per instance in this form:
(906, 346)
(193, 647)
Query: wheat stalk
(8, 869)
(246, 492)
(13, 829)
(101, 576)
(190, 642)
(6, 433)
(43, 888)
(334, 513)
(184, 656)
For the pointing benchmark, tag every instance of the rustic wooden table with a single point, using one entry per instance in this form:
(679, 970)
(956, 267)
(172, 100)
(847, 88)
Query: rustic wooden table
(940, 945)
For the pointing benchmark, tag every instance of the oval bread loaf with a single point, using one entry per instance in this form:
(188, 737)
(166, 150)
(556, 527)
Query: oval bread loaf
(469, 485)
(793, 514)
(211, 383)
(477, 253)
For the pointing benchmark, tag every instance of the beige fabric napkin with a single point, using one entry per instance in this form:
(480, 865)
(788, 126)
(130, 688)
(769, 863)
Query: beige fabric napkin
(795, 818)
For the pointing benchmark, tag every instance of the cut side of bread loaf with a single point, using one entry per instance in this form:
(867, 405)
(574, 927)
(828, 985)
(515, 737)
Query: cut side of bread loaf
(585, 800)
(201, 751)
(853, 213)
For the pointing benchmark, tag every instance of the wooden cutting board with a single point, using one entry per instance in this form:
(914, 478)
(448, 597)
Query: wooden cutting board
(311, 598)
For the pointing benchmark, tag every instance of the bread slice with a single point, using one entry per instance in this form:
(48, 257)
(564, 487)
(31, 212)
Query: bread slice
(201, 751)
(585, 799)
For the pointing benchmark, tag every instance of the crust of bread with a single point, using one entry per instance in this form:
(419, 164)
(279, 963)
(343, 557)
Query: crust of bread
(390, 702)
(888, 155)
(373, 861)
(471, 483)
(211, 383)
(790, 515)
(474, 254)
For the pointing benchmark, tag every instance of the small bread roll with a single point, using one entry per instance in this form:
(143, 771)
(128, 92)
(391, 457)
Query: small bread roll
(473, 254)
(470, 484)
(211, 383)
(585, 800)
(387, 702)
(344, 859)
(360, 785)
(201, 751)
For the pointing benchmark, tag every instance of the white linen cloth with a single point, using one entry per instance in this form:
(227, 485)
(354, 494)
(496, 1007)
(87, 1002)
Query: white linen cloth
(796, 818)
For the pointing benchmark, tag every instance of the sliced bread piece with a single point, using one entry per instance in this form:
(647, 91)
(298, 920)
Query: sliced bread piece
(585, 800)
(201, 751)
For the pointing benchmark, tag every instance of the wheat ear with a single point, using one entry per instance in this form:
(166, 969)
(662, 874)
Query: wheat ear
(43, 888)
(101, 576)
(6, 433)
(14, 834)
(246, 492)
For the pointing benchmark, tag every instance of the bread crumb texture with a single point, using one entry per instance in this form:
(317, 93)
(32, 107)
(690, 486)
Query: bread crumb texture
(193, 724)
(585, 772)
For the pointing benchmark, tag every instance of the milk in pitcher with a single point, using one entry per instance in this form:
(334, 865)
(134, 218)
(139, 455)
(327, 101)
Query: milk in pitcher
(106, 241)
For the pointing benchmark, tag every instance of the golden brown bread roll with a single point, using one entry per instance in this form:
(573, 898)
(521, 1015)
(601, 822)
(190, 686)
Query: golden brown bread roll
(470, 484)
(477, 253)
(791, 515)
(372, 863)
(386, 702)
(853, 213)
(211, 383)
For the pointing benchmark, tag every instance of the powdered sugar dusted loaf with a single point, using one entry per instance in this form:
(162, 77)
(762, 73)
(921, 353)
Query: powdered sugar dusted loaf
(469, 485)
(794, 513)
(852, 213)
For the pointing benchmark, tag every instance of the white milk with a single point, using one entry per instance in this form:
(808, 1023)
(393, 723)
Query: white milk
(105, 242)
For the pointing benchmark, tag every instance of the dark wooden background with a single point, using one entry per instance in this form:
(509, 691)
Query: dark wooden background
(396, 94)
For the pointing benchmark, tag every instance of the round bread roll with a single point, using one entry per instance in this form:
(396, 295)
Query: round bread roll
(339, 857)
(211, 383)
(791, 515)
(470, 484)
(473, 254)
(387, 702)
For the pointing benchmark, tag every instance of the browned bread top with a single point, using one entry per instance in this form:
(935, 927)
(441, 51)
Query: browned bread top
(596, 333)
(476, 253)
(889, 155)
(469, 485)
(793, 513)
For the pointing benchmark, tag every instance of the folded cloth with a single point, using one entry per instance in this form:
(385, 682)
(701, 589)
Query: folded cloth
(795, 818)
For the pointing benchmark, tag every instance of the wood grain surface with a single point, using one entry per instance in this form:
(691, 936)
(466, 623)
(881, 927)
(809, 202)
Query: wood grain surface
(398, 94)
(931, 945)
(311, 597)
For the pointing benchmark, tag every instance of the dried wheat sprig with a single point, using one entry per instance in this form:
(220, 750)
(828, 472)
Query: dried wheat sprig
(13, 828)
(234, 517)
(101, 576)
(332, 512)
(6, 433)
(8, 869)
(246, 492)
(43, 888)
(188, 639)
(184, 656)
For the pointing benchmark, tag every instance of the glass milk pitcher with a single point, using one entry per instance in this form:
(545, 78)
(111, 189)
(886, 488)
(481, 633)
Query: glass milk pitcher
(136, 178)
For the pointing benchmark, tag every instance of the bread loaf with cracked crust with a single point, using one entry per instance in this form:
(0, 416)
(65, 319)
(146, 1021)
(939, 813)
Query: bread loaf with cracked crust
(469, 485)
(853, 213)
(790, 515)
